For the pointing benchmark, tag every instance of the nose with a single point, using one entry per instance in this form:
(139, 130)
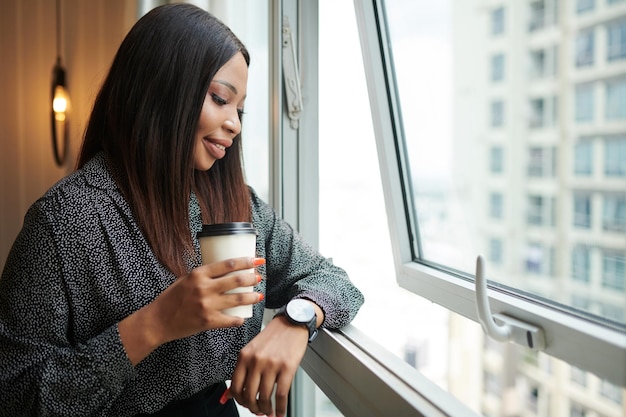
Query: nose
(232, 124)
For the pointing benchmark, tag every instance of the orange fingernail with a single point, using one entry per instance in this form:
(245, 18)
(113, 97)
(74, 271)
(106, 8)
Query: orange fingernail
(258, 261)
(224, 396)
(259, 278)
(261, 296)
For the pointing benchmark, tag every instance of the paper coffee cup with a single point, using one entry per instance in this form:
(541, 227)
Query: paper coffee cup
(225, 241)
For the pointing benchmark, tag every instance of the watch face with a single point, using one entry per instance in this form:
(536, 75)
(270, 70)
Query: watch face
(300, 310)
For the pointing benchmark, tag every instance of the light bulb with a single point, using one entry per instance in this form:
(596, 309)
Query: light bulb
(60, 103)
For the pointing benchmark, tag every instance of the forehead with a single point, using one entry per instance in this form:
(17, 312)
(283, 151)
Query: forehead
(234, 75)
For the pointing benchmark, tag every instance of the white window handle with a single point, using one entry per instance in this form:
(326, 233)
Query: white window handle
(501, 327)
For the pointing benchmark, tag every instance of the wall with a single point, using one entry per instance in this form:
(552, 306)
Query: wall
(91, 32)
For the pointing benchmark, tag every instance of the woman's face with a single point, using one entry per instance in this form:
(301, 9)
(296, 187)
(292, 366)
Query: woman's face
(220, 118)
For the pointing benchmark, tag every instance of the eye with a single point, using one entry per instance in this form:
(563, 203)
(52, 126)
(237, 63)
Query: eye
(218, 100)
(240, 113)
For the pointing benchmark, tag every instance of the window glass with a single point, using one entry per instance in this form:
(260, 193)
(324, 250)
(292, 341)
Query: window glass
(616, 49)
(584, 103)
(615, 156)
(616, 99)
(472, 194)
(441, 89)
(497, 21)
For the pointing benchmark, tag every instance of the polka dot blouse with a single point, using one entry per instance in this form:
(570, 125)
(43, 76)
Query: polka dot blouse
(81, 264)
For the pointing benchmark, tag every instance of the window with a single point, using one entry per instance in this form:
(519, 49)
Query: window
(497, 21)
(611, 392)
(497, 113)
(616, 48)
(581, 264)
(578, 375)
(615, 156)
(613, 270)
(497, 67)
(430, 93)
(495, 251)
(541, 162)
(583, 158)
(583, 6)
(616, 99)
(543, 62)
(540, 211)
(582, 210)
(584, 49)
(614, 213)
(496, 208)
(496, 160)
(584, 103)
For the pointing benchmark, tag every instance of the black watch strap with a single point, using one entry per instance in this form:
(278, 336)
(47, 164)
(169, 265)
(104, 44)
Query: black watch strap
(311, 324)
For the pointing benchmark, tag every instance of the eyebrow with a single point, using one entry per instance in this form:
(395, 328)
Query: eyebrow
(227, 85)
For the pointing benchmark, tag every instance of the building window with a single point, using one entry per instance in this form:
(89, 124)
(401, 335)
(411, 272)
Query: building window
(583, 6)
(578, 376)
(616, 48)
(577, 410)
(582, 210)
(584, 103)
(581, 263)
(614, 213)
(495, 251)
(613, 270)
(496, 160)
(537, 110)
(534, 215)
(497, 113)
(543, 62)
(540, 210)
(537, 259)
(611, 391)
(615, 156)
(497, 21)
(541, 162)
(497, 67)
(583, 158)
(496, 206)
(616, 99)
(584, 49)
(537, 15)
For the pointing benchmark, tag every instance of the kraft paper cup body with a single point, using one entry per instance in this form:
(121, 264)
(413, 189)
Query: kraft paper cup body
(225, 241)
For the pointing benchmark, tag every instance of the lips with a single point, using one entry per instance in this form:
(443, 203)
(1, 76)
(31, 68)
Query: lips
(216, 149)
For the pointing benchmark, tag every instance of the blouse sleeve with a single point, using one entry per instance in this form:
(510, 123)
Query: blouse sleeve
(295, 269)
(42, 370)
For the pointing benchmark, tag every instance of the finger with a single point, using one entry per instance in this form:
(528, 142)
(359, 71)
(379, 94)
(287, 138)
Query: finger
(234, 281)
(251, 389)
(283, 384)
(221, 268)
(237, 381)
(241, 299)
(266, 388)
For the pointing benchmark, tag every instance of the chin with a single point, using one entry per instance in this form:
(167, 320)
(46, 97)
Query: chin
(204, 165)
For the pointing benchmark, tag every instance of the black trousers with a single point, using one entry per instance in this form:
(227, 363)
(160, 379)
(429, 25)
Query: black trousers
(203, 404)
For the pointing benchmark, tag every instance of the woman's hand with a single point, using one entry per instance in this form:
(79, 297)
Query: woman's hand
(192, 304)
(270, 360)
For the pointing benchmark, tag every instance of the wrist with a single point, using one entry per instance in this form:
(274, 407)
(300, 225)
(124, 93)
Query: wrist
(301, 313)
(140, 335)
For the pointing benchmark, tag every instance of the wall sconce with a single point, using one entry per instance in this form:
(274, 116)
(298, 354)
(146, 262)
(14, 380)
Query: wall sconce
(60, 101)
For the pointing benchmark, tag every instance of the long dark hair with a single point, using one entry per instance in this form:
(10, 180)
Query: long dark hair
(145, 118)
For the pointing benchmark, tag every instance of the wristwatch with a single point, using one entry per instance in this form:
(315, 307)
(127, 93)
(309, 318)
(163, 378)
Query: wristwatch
(300, 312)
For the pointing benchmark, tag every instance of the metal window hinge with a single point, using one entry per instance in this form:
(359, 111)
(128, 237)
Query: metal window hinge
(291, 76)
(502, 327)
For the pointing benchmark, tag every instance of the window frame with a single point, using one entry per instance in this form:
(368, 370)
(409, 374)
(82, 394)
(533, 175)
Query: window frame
(576, 339)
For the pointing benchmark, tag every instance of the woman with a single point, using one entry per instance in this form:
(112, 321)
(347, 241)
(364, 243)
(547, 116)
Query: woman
(105, 308)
